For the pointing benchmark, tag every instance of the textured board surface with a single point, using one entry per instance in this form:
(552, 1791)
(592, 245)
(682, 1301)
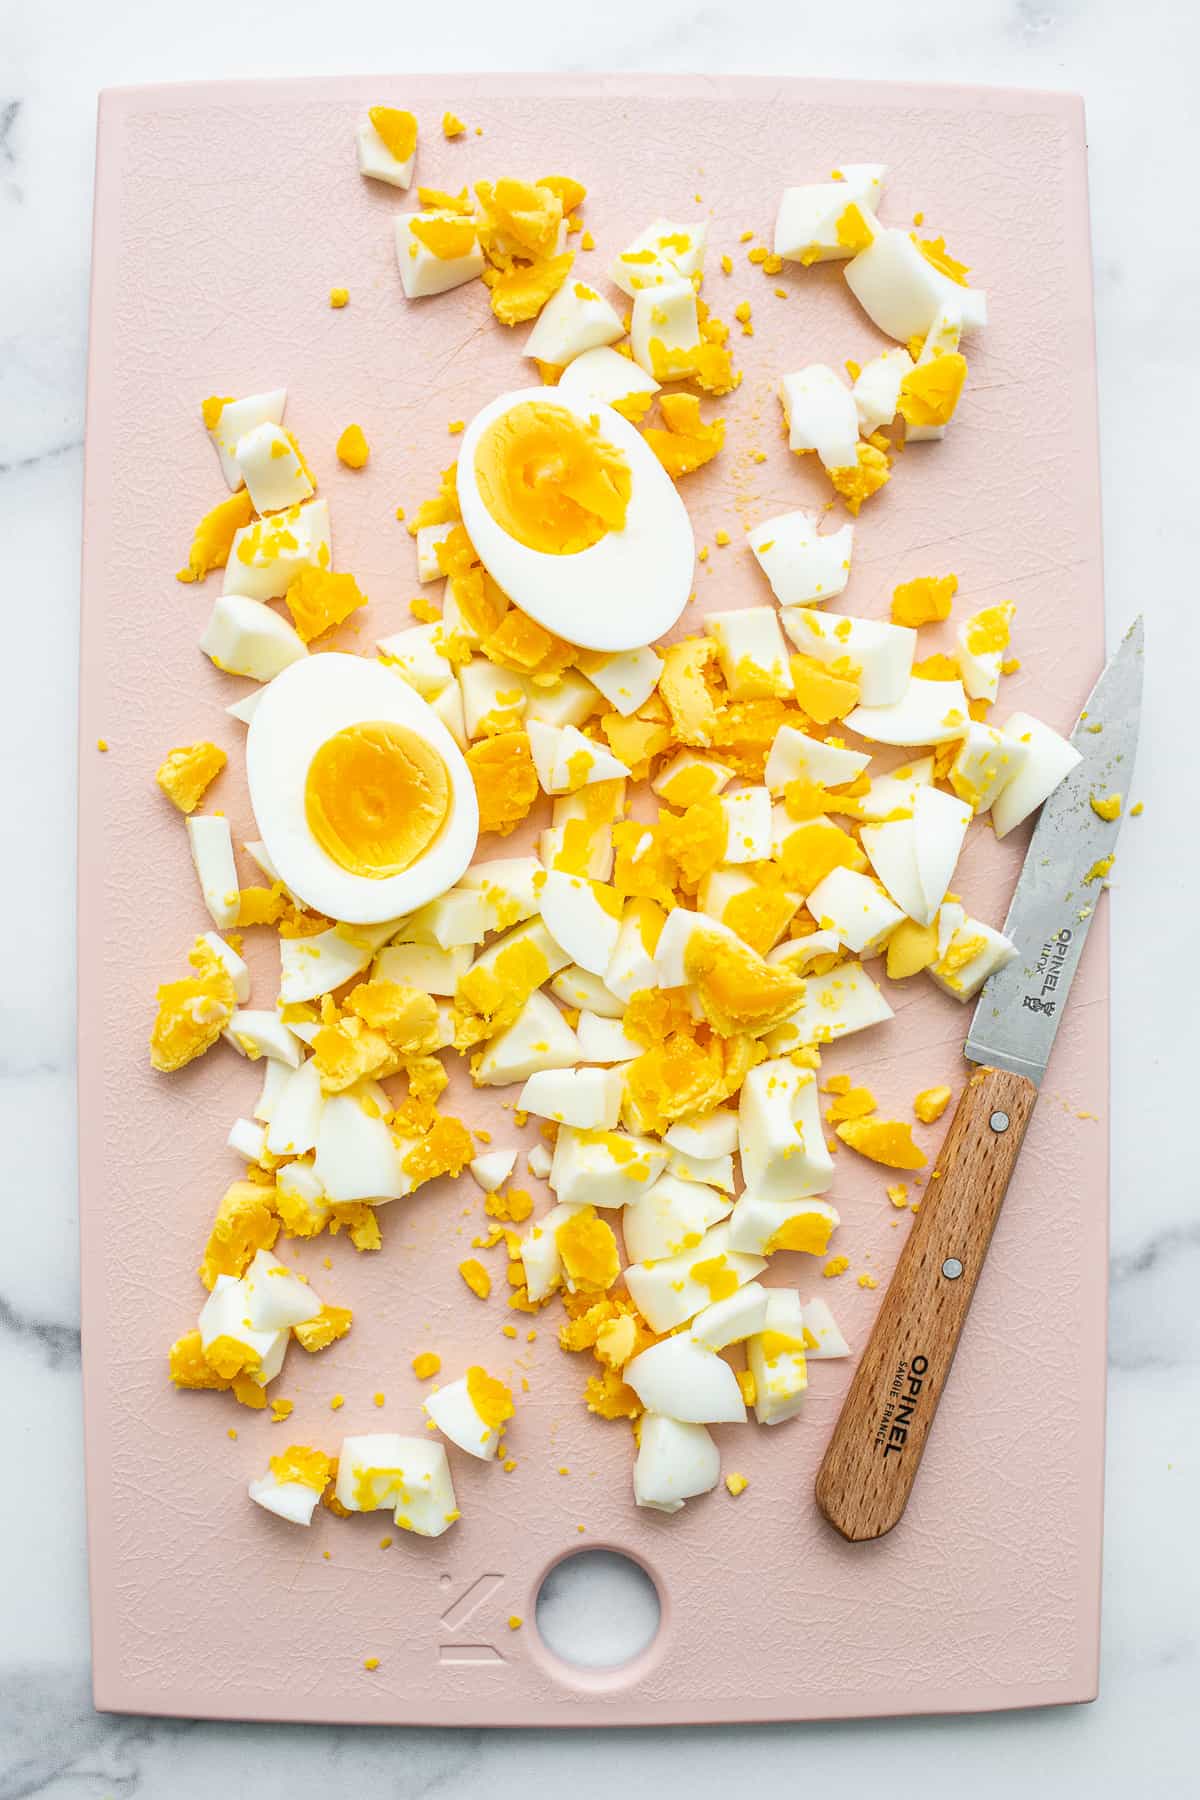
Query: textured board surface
(224, 215)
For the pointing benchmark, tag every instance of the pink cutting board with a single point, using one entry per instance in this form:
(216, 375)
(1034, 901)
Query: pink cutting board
(224, 214)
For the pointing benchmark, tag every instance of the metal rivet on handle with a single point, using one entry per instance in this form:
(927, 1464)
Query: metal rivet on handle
(999, 1121)
(952, 1268)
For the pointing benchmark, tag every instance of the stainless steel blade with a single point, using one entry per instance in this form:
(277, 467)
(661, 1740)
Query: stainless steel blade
(1052, 908)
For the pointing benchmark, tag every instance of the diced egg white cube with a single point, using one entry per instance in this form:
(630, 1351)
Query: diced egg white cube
(245, 637)
(877, 388)
(296, 1114)
(806, 226)
(668, 1216)
(416, 656)
(682, 1379)
(573, 320)
(633, 965)
(540, 1257)
(784, 1156)
(424, 966)
(752, 653)
(800, 953)
(260, 1033)
(298, 1184)
(235, 419)
(247, 1138)
(802, 564)
(603, 1040)
(837, 1004)
(225, 1314)
(510, 885)
(714, 1135)
(312, 966)
(856, 908)
(1049, 759)
(244, 710)
(604, 1168)
(275, 1298)
(357, 1157)
(211, 845)
(409, 1476)
(422, 273)
(583, 917)
(589, 1099)
(291, 1500)
(580, 988)
(776, 1359)
(271, 467)
(915, 858)
(708, 1171)
(820, 413)
(760, 1226)
(456, 1416)
(605, 376)
(275, 1078)
(748, 819)
(565, 760)
(539, 1161)
(659, 255)
(794, 756)
(900, 290)
(986, 762)
(731, 1321)
(882, 653)
(460, 916)
(670, 1292)
(822, 1338)
(538, 1038)
(689, 777)
(568, 701)
(974, 953)
(492, 1169)
(267, 555)
(664, 316)
(675, 1461)
(928, 712)
(896, 793)
(376, 161)
(628, 678)
(232, 964)
(428, 539)
(491, 697)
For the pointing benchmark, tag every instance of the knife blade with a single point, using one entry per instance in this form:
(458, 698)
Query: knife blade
(1054, 903)
(871, 1462)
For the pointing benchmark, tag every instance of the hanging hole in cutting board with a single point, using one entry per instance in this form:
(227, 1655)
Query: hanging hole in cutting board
(597, 1609)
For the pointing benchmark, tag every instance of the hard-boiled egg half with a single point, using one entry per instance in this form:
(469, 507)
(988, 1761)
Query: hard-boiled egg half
(361, 795)
(575, 518)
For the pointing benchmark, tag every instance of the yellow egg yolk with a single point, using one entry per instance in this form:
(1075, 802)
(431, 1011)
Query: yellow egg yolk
(490, 1398)
(376, 797)
(550, 480)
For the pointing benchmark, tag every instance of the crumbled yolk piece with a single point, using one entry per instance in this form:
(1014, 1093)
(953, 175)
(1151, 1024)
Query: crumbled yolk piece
(476, 1277)
(696, 841)
(397, 129)
(515, 1621)
(716, 1277)
(339, 297)
(520, 292)
(550, 480)
(371, 1663)
(859, 481)
(887, 1141)
(736, 1484)
(688, 442)
(187, 772)
(737, 989)
(898, 1195)
(192, 1012)
(1106, 806)
(445, 1149)
(426, 1364)
(867, 1281)
(353, 448)
(505, 780)
(452, 125)
(588, 1249)
(937, 667)
(930, 393)
(853, 1103)
(934, 251)
(212, 408)
(989, 631)
(806, 1231)
(923, 601)
(281, 1410)
(318, 600)
(330, 1324)
(245, 1223)
(853, 232)
(302, 1464)
(837, 1265)
(931, 1103)
(376, 795)
(825, 691)
(814, 849)
(522, 215)
(490, 1398)
(213, 537)
(1100, 870)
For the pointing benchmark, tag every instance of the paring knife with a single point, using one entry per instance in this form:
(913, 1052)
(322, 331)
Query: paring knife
(868, 1470)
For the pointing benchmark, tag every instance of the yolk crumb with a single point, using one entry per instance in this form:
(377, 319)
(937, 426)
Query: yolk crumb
(339, 297)
(1106, 806)
(477, 1277)
(737, 1484)
(352, 447)
(931, 1103)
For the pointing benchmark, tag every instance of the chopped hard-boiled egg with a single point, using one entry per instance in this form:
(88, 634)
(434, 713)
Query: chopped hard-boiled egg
(407, 1476)
(436, 251)
(901, 290)
(228, 421)
(682, 1379)
(1049, 759)
(573, 320)
(829, 221)
(244, 637)
(675, 1462)
(387, 145)
(803, 565)
(269, 554)
(928, 712)
(614, 380)
(875, 656)
(777, 1360)
(472, 1412)
(659, 256)
(820, 415)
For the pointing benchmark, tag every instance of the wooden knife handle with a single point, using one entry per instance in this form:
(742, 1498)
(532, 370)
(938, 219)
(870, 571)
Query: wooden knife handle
(872, 1460)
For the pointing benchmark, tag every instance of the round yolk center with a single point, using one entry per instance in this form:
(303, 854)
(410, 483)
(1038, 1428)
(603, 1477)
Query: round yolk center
(375, 797)
(550, 480)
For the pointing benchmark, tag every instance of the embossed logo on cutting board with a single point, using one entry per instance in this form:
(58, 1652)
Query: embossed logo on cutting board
(458, 1613)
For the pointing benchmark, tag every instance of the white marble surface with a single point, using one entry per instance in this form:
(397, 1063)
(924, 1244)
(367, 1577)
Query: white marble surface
(1135, 70)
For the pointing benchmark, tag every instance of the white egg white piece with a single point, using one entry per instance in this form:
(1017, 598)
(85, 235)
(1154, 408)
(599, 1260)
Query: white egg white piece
(510, 885)
(877, 388)
(705, 1171)
(896, 793)
(428, 539)
(275, 1079)
(603, 1040)
(901, 292)
(806, 226)
(275, 1298)
(883, 653)
(619, 593)
(668, 1293)
(423, 966)
(733, 1320)
(235, 419)
(462, 916)
(716, 1134)
(667, 1215)
(573, 320)
(665, 318)
(261, 1033)
(530, 935)
(295, 1122)
(803, 564)
(538, 1161)
(566, 761)
(929, 712)
(974, 952)
(569, 701)
(492, 1169)
(247, 1138)
(748, 822)
(422, 273)
(1049, 759)
(243, 710)
(777, 1361)
(659, 255)
(305, 706)
(232, 964)
(493, 699)
(294, 1501)
(302, 1195)
(377, 162)
(801, 953)
(272, 469)
(538, 1038)
(589, 1099)
(633, 965)
(682, 1379)
(822, 1338)
(225, 1315)
(820, 414)
(604, 1169)
(357, 1156)
(580, 988)
(760, 1227)
(681, 926)
(267, 555)
(784, 1156)
(583, 917)
(843, 1001)
(915, 858)
(454, 1413)
(540, 1257)
(409, 1476)
(246, 637)
(675, 1462)
(604, 375)
(794, 756)
(690, 776)
(211, 844)
(312, 966)
(986, 762)
(752, 653)
(856, 908)
(415, 655)
(628, 680)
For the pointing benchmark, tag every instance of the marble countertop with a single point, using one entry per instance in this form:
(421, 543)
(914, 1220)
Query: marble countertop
(1139, 1737)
